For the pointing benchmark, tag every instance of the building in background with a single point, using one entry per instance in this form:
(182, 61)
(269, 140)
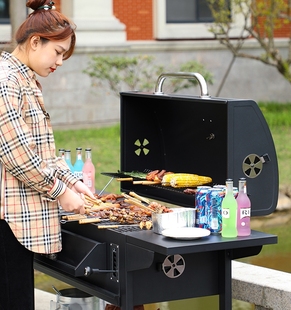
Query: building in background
(139, 20)
(171, 31)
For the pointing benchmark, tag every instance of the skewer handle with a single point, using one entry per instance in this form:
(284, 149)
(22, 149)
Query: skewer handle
(89, 220)
(124, 179)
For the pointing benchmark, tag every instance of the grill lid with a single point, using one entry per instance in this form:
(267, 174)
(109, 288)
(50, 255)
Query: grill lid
(217, 137)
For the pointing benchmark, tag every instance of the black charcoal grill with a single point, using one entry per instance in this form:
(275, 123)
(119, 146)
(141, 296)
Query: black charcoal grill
(218, 137)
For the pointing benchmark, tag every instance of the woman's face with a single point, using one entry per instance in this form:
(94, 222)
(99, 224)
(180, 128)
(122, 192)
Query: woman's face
(44, 58)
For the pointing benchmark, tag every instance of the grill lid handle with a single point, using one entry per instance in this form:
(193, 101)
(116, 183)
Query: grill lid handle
(183, 75)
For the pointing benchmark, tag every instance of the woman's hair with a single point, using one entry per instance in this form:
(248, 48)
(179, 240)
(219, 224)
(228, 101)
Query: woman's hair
(48, 24)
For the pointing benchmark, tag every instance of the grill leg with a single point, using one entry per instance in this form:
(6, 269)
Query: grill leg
(225, 296)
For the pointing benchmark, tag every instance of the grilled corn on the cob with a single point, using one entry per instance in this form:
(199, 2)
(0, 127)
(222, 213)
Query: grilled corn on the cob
(185, 180)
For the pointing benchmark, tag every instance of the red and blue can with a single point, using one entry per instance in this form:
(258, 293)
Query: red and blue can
(214, 199)
(201, 206)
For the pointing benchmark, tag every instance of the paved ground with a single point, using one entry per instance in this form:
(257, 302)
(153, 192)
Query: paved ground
(43, 299)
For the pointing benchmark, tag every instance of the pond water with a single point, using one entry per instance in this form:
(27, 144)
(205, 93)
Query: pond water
(275, 256)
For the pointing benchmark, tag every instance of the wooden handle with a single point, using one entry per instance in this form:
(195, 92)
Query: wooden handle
(74, 217)
(107, 226)
(133, 194)
(124, 179)
(94, 201)
(89, 220)
(146, 182)
(138, 204)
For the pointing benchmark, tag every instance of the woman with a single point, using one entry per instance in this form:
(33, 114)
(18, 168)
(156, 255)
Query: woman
(34, 182)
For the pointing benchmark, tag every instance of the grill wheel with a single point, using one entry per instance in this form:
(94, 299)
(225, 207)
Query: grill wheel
(252, 166)
(173, 266)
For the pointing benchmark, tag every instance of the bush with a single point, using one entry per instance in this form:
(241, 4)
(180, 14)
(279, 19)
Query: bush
(138, 73)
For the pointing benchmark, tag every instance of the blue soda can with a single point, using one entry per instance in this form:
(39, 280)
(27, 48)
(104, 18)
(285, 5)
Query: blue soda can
(201, 206)
(214, 200)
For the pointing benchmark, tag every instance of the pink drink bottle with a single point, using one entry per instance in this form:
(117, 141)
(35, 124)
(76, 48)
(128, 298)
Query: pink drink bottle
(89, 171)
(243, 209)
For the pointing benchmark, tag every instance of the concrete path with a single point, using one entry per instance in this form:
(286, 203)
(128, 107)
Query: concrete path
(43, 299)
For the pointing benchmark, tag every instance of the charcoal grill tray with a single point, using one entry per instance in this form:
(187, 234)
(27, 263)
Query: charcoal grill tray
(169, 195)
(168, 188)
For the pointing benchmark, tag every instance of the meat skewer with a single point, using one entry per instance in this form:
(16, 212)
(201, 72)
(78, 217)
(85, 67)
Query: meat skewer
(133, 194)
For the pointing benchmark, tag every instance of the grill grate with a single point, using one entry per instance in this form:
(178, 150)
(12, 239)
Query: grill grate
(127, 229)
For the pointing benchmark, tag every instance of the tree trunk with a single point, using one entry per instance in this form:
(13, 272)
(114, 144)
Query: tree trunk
(18, 13)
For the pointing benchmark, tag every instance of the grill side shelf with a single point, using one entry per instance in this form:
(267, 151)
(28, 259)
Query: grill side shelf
(78, 252)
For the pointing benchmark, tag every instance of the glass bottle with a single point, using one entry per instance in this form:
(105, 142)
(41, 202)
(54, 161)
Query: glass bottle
(243, 209)
(89, 171)
(78, 165)
(62, 153)
(68, 159)
(229, 212)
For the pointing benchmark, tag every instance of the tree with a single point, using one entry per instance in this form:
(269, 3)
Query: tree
(261, 20)
(18, 13)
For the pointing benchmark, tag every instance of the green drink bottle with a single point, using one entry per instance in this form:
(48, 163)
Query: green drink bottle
(229, 212)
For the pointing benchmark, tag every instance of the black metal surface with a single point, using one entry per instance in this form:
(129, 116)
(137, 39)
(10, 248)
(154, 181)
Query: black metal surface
(215, 137)
(77, 253)
(132, 267)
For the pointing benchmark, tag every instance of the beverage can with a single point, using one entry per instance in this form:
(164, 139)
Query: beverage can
(214, 199)
(201, 206)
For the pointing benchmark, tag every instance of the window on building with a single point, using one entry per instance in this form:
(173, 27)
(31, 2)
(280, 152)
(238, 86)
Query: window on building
(185, 19)
(187, 11)
(4, 11)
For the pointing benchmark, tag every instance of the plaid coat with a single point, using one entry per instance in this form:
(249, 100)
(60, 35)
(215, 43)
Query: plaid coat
(31, 176)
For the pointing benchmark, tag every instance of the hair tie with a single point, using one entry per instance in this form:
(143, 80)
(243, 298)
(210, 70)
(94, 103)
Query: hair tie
(46, 7)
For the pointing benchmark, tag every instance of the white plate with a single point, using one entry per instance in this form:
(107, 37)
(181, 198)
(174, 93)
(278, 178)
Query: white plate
(186, 233)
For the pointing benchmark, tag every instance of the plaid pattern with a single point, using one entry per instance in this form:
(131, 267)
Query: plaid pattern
(32, 176)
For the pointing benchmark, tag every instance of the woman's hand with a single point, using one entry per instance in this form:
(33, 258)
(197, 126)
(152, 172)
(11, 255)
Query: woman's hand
(80, 188)
(72, 202)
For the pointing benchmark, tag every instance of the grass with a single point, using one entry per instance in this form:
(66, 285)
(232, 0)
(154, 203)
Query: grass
(105, 144)
(278, 117)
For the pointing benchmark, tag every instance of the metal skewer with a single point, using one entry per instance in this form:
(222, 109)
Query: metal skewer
(56, 290)
(103, 189)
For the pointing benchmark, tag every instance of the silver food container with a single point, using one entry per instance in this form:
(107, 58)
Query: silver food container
(74, 299)
(180, 217)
